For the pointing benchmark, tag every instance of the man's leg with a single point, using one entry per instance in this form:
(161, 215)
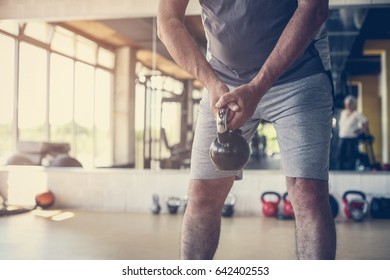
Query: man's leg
(315, 227)
(202, 218)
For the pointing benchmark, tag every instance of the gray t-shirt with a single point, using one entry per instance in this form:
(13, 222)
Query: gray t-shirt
(242, 33)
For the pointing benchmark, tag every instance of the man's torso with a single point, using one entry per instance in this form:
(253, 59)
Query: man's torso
(242, 33)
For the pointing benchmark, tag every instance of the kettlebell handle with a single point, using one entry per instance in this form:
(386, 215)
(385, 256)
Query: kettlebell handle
(222, 129)
(270, 193)
(222, 120)
(361, 194)
(285, 195)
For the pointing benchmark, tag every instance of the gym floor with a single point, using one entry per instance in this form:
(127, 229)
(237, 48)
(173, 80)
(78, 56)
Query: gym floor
(70, 235)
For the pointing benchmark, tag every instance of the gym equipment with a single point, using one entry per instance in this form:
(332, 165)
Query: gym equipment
(64, 160)
(380, 208)
(19, 159)
(37, 153)
(270, 208)
(173, 204)
(45, 199)
(357, 208)
(334, 205)
(228, 207)
(229, 151)
(156, 207)
(288, 210)
(185, 202)
(367, 140)
(2, 201)
(180, 155)
(385, 167)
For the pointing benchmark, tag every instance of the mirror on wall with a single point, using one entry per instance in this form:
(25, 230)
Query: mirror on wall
(63, 51)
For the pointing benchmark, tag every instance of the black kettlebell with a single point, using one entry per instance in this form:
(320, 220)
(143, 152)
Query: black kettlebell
(270, 208)
(228, 207)
(229, 151)
(173, 204)
(334, 205)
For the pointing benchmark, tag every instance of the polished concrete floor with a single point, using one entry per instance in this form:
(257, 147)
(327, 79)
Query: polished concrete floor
(64, 235)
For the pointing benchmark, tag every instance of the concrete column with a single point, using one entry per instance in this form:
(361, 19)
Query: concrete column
(382, 48)
(124, 107)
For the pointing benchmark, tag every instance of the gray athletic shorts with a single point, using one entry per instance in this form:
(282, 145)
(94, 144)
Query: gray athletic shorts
(301, 112)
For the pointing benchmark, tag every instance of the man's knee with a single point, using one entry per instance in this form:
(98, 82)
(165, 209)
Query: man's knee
(208, 195)
(308, 195)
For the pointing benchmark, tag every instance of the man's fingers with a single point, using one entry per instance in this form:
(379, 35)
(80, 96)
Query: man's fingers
(228, 100)
(233, 106)
(224, 100)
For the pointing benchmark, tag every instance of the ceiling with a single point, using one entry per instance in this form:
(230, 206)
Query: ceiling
(348, 28)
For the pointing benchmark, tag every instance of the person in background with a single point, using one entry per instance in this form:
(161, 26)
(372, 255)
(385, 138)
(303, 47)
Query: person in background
(351, 125)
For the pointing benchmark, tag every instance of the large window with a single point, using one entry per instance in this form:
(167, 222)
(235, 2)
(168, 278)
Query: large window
(83, 112)
(32, 92)
(103, 144)
(7, 76)
(56, 86)
(61, 98)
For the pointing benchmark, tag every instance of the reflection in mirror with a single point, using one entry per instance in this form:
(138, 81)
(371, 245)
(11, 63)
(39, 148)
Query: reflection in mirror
(82, 86)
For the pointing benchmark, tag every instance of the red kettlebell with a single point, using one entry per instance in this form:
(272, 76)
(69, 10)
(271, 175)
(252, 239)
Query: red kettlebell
(288, 209)
(270, 207)
(353, 204)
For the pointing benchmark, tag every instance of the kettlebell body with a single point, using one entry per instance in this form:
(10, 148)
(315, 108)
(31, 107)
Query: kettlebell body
(45, 199)
(228, 207)
(334, 205)
(288, 209)
(229, 151)
(173, 204)
(270, 208)
(358, 209)
(355, 205)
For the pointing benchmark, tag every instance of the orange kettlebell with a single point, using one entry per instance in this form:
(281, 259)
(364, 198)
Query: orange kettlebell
(45, 200)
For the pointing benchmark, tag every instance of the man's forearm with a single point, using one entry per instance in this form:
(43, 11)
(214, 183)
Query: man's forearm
(299, 32)
(184, 51)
